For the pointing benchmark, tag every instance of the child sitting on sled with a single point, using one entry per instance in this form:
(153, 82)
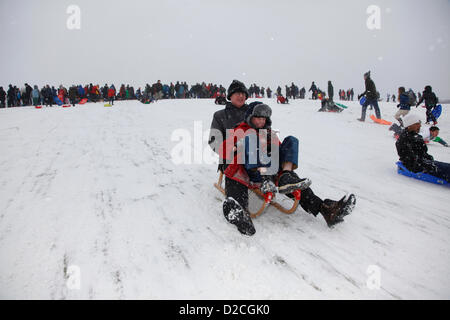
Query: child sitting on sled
(255, 156)
(413, 151)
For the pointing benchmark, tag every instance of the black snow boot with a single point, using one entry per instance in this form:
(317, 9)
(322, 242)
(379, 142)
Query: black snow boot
(335, 211)
(347, 206)
(289, 181)
(235, 214)
(330, 211)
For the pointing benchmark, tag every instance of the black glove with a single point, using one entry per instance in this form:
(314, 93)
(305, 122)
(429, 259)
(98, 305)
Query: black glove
(359, 97)
(268, 185)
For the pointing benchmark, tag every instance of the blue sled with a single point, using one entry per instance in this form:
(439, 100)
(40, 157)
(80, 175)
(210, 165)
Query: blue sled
(419, 175)
(437, 111)
(57, 101)
(362, 100)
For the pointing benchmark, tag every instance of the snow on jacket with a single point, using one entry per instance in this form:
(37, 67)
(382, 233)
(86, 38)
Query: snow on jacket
(413, 152)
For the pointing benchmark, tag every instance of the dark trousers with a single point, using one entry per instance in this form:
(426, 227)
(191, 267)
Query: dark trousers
(430, 116)
(373, 103)
(442, 170)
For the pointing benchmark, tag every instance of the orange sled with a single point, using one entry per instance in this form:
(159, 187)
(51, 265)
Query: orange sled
(380, 121)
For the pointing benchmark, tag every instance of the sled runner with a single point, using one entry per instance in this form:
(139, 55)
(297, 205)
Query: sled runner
(401, 169)
(264, 199)
(66, 106)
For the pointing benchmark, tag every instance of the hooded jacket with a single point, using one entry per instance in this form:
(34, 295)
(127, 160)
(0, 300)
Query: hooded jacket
(430, 98)
(371, 90)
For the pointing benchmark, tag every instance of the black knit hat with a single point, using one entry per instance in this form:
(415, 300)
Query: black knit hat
(237, 86)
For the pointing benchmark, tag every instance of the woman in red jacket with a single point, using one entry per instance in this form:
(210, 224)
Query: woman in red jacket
(111, 94)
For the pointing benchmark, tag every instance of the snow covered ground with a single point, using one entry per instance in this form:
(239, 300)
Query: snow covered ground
(93, 207)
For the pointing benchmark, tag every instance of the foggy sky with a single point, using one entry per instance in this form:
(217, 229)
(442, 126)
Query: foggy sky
(270, 43)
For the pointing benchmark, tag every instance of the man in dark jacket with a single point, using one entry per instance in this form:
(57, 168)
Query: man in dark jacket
(231, 116)
(2, 97)
(11, 96)
(413, 151)
(371, 97)
(314, 91)
(330, 91)
(27, 95)
(430, 103)
(73, 92)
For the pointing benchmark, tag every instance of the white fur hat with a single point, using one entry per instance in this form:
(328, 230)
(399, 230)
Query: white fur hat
(410, 119)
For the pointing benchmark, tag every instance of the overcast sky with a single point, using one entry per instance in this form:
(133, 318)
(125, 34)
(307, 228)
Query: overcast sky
(257, 41)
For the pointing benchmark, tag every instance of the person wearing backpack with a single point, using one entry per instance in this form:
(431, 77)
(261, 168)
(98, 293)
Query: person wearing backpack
(404, 105)
(412, 97)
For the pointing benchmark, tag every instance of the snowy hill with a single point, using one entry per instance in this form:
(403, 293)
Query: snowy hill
(91, 194)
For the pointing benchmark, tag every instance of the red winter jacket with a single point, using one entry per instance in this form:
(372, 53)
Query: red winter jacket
(111, 93)
(235, 169)
(281, 99)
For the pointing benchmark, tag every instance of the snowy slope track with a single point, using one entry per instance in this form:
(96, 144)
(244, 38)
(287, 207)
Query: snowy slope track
(93, 207)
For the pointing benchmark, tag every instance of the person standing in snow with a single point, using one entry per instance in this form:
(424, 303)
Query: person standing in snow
(330, 91)
(2, 98)
(430, 103)
(111, 94)
(73, 95)
(371, 97)
(314, 91)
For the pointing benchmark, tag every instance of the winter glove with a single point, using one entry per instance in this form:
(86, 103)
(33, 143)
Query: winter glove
(359, 97)
(268, 185)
